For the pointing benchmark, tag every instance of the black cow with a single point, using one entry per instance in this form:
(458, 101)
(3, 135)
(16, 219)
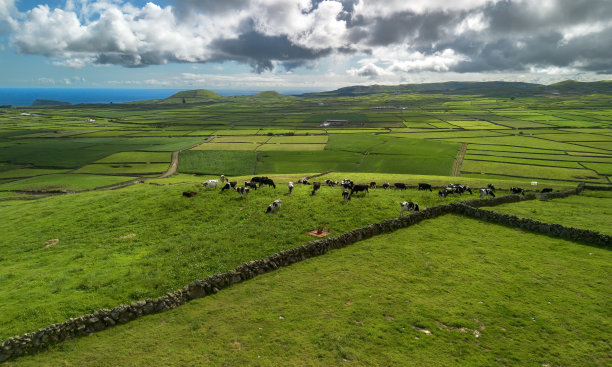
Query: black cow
(229, 185)
(424, 186)
(400, 186)
(517, 190)
(315, 187)
(386, 185)
(546, 190)
(346, 196)
(359, 188)
(372, 185)
(331, 183)
(250, 184)
(267, 181)
(258, 179)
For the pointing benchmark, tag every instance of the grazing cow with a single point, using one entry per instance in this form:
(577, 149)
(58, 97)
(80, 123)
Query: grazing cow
(331, 183)
(189, 193)
(359, 188)
(444, 193)
(486, 192)
(400, 186)
(386, 185)
(267, 181)
(315, 187)
(303, 181)
(546, 190)
(347, 184)
(259, 179)
(346, 196)
(251, 185)
(424, 186)
(290, 187)
(244, 191)
(276, 205)
(229, 185)
(409, 207)
(458, 189)
(517, 190)
(222, 179)
(372, 185)
(210, 184)
(491, 187)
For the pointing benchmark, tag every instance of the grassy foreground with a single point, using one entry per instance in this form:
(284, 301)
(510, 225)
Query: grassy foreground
(472, 294)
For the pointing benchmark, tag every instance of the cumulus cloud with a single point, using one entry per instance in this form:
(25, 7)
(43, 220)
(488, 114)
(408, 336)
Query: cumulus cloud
(386, 36)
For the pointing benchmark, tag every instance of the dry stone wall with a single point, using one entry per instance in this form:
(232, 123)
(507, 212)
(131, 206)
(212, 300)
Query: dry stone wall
(103, 319)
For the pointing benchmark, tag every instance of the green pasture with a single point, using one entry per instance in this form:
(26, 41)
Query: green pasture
(591, 210)
(99, 263)
(479, 294)
(144, 157)
(508, 148)
(62, 182)
(241, 139)
(226, 146)
(130, 169)
(525, 161)
(577, 137)
(316, 139)
(290, 147)
(552, 158)
(227, 162)
(27, 172)
(307, 161)
(523, 170)
(601, 168)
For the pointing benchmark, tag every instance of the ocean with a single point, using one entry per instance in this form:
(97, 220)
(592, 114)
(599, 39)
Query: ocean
(27, 96)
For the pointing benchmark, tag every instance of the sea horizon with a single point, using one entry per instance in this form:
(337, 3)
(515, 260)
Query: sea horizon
(25, 97)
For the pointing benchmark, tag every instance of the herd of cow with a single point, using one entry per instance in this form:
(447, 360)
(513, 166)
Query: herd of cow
(349, 188)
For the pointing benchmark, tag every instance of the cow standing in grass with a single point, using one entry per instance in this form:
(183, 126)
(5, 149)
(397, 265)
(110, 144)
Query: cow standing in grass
(251, 185)
(315, 186)
(359, 188)
(210, 184)
(275, 206)
(486, 192)
(491, 187)
(400, 186)
(222, 179)
(229, 185)
(386, 185)
(290, 187)
(424, 186)
(517, 190)
(408, 207)
(244, 191)
(346, 196)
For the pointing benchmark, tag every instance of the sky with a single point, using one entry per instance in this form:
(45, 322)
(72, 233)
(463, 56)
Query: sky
(300, 45)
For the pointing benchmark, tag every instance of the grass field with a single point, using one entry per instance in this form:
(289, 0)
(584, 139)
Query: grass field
(62, 182)
(523, 170)
(479, 295)
(128, 169)
(228, 162)
(134, 157)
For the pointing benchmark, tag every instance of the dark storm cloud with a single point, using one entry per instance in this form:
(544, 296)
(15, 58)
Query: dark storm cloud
(259, 51)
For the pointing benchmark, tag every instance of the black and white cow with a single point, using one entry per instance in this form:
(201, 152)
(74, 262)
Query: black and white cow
(491, 187)
(331, 183)
(347, 184)
(424, 186)
(517, 190)
(372, 185)
(222, 179)
(244, 191)
(346, 196)
(386, 185)
(229, 185)
(303, 181)
(276, 205)
(486, 192)
(444, 193)
(359, 188)
(315, 187)
(546, 190)
(409, 207)
(210, 184)
(251, 185)
(290, 187)
(458, 188)
(400, 186)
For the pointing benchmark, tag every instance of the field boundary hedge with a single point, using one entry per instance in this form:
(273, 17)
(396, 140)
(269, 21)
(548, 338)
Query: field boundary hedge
(103, 319)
